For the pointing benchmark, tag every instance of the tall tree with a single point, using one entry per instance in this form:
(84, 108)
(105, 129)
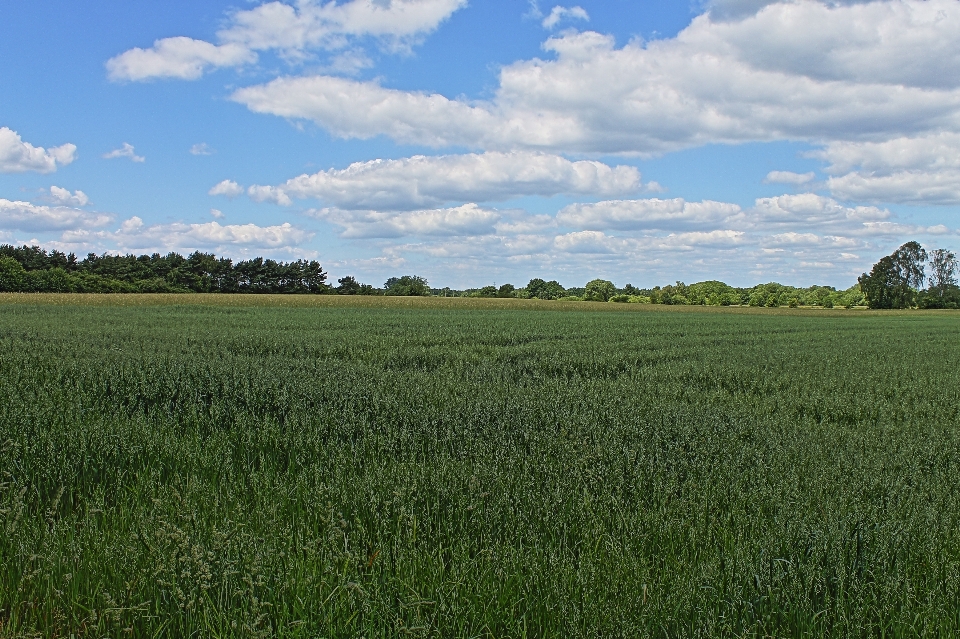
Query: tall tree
(943, 271)
(909, 260)
(893, 282)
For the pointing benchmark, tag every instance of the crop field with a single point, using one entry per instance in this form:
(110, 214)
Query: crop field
(198, 466)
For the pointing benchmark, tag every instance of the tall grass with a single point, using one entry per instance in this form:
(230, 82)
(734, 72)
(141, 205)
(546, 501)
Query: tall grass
(345, 470)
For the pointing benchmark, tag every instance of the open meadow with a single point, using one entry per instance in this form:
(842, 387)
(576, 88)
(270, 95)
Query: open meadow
(303, 466)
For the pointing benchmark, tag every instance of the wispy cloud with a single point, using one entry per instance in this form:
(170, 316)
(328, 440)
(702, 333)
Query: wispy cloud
(295, 31)
(201, 149)
(789, 177)
(559, 13)
(125, 151)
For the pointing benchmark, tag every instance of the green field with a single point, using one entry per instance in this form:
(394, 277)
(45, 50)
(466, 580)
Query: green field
(325, 467)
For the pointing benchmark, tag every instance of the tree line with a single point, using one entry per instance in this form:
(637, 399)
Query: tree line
(708, 293)
(896, 281)
(31, 269)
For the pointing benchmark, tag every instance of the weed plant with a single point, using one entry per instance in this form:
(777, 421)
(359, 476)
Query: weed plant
(352, 469)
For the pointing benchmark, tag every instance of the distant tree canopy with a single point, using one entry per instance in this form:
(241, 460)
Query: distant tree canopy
(708, 293)
(34, 270)
(408, 285)
(896, 281)
(599, 291)
(350, 286)
(539, 289)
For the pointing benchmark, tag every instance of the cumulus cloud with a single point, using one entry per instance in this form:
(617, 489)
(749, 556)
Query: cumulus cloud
(771, 215)
(293, 30)
(125, 151)
(423, 181)
(275, 194)
(559, 13)
(908, 169)
(794, 239)
(466, 220)
(592, 242)
(181, 58)
(24, 216)
(351, 109)
(646, 214)
(812, 210)
(789, 177)
(909, 187)
(738, 9)
(65, 198)
(275, 25)
(800, 70)
(600, 242)
(228, 188)
(134, 234)
(17, 156)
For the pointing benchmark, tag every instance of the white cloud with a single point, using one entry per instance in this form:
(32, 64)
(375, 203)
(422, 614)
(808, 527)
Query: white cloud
(179, 57)
(125, 151)
(31, 217)
(269, 194)
(800, 70)
(915, 169)
(789, 177)
(201, 149)
(792, 238)
(134, 234)
(228, 188)
(892, 42)
(348, 63)
(935, 151)
(216, 213)
(468, 220)
(329, 25)
(768, 216)
(654, 213)
(17, 156)
(294, 30)
(600, 242)
(910, 187)
(591, 242)
(809, 209)
(896, 229)
(559, 13)
(421, 181)
(351, 109)
(63, 197)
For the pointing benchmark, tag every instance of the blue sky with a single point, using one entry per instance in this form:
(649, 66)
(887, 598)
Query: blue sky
(473, 142)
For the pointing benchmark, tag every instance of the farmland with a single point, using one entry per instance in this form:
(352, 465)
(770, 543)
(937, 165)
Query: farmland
(318, 466)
